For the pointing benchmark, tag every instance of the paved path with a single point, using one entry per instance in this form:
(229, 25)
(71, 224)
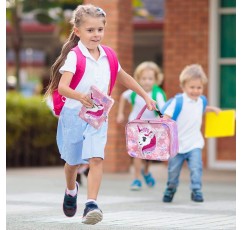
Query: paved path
(34, 201)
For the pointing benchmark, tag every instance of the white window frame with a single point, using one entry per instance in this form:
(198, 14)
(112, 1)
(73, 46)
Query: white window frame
(214, 79)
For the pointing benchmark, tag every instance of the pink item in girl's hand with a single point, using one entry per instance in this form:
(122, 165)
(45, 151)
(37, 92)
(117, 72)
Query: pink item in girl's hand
(98, 114)
(155, 139)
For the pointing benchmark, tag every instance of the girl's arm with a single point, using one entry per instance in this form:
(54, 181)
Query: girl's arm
(130, 83)
(66, 91)
(212, 109)
(120, 115)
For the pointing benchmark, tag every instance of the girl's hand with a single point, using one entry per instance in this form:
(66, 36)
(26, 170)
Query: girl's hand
(86, 100)
(120, 118)
(150, 103)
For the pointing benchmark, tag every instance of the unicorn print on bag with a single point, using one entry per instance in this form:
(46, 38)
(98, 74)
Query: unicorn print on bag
(96, 111)
(146, 140)
(98, 114)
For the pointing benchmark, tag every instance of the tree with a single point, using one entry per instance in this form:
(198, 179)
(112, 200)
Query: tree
(43, 14)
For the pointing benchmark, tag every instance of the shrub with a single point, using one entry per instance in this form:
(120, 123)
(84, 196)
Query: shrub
(31, 132)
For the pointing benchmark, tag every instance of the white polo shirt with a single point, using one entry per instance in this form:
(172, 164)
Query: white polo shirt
(189, 123)
(97, 72)
(139, 104)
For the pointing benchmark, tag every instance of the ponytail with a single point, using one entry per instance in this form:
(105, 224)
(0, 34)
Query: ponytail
(55, 75)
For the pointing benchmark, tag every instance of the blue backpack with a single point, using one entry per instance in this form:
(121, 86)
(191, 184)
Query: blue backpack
(178, 107)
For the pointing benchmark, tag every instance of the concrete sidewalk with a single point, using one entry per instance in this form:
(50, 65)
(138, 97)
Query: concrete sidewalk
(35, 195)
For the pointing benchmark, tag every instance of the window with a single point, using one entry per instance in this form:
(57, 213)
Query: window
(227, 53)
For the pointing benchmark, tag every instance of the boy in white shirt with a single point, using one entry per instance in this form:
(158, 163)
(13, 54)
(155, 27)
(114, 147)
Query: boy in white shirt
(191, 142)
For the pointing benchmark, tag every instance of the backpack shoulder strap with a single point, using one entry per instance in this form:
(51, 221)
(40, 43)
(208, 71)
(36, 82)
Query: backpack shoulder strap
(179, 102)
(113, 62)
(166, 105)
(204, 99)
(80, 67)
(157, 89)
(178, 106)
(133, 97)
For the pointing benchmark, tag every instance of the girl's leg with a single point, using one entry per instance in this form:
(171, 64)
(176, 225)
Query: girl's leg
(146, 166)
(150, 181)
(136, 183)
(94, 177)
(92, 214)
(70, 197)
(70, 175)
(137, 168)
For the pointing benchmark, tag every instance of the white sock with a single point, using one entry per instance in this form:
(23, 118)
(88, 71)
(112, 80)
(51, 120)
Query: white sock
(91, 200)
(72, 192)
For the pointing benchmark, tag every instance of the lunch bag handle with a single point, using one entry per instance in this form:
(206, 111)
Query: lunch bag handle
(143, 110)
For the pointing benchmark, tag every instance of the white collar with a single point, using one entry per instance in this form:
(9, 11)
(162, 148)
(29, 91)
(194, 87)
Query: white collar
(86, 52)
(188, 99)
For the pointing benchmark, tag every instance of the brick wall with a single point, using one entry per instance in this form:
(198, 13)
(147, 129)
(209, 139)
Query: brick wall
(185, 38)
(226, 148)
(119, 36)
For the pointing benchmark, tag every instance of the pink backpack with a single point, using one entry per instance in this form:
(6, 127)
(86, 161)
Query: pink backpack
(59, 100)
(155, 139)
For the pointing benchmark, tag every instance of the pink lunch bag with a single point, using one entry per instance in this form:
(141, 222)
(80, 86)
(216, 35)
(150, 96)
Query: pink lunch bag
(155, 139)
(98, 114)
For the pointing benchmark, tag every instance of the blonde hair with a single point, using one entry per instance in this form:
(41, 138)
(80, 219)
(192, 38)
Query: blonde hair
(192, 72)
(152, 66)
(79, 16)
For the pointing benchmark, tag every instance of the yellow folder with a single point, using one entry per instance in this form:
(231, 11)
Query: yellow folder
(220, 125)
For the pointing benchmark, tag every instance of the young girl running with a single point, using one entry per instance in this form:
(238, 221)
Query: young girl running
(148, 75)
(78, 141)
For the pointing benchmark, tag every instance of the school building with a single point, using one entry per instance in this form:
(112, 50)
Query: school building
(183, 32)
